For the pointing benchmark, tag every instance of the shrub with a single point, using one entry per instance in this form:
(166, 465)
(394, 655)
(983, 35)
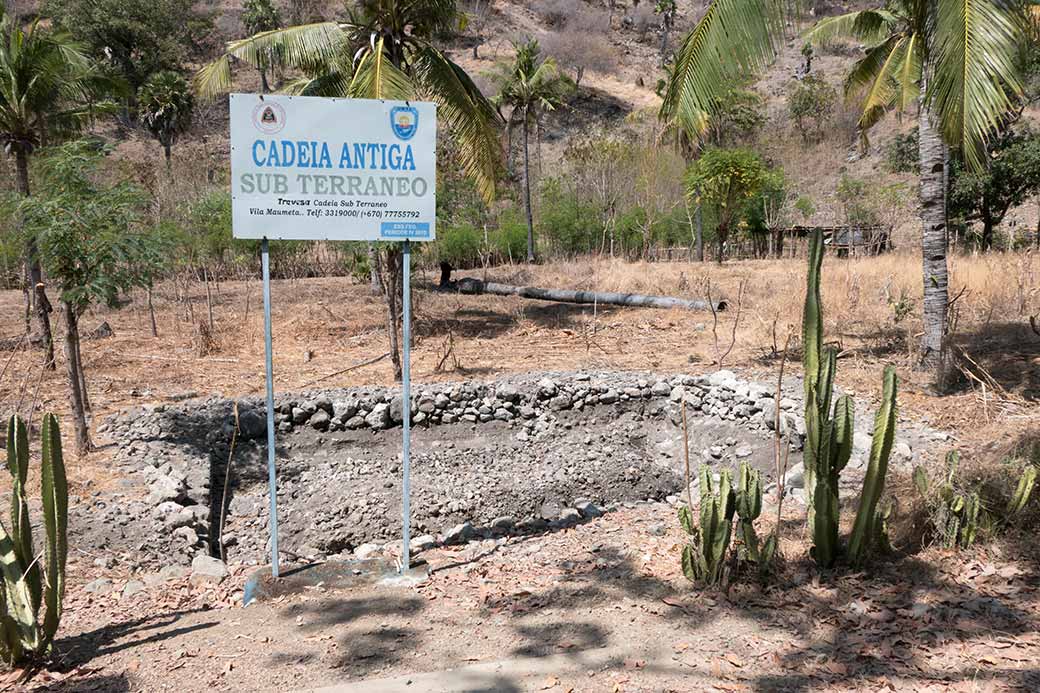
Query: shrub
(901, 155)
(509, 240)
(580, 48)
(810, 102)
(459, 245)
(570, 226)
(738, 118)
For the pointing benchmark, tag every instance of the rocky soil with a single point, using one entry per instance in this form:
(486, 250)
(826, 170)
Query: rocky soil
(518, 455)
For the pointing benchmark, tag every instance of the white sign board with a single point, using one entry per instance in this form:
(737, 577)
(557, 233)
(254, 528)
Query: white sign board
(311, 168)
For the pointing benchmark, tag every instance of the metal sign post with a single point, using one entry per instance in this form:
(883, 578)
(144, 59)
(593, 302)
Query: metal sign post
(272, 482)
(298, 174)
(406, 404)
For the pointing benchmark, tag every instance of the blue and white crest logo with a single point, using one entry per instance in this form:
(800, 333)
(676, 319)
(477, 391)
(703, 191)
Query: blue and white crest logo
(404, 120)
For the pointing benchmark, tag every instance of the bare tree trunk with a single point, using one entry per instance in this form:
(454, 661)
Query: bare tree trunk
(209, 297)
(168, 154)
(527, 195)
(375, 283)
(265, 88)
(391, 276)
(699, 217)
(74, 368)
(34, 272)
(82, 374)
(934, 347)
(151, 310)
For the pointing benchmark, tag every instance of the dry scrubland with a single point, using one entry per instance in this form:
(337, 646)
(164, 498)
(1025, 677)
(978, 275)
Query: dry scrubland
(323, 326)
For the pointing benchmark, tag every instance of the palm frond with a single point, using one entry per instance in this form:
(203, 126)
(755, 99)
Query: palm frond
(468, 115)
(376, 77)
(877, 77)
(974, 72)
(733, 39)
(299, 46)
(868, 26)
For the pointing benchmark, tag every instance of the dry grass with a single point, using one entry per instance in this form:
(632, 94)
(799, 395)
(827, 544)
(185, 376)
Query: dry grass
(324, 325)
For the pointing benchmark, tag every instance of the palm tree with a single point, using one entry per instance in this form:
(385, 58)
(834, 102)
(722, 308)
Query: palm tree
(957, 59)
(165, 104)
(383, 50)
(47, 89)
(530, 85)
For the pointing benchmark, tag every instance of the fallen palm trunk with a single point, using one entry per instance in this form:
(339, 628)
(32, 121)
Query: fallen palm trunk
(469, 285)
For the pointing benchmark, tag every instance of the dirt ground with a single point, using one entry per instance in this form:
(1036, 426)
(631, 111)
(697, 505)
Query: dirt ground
(949, 621)
(927, 622)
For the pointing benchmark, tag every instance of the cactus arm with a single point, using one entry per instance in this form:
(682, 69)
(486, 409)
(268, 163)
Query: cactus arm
(1023, 491)
(812, 316)
(21, 530)
(689, 568)
(55, 491)
(863, 530)
(825, 385)
(17, 598)
(844, 425)
(686, 520)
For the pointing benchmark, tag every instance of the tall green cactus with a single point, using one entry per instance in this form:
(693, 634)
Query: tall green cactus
(29, 582)
(704, 558)
(828, 433)
(869, 520)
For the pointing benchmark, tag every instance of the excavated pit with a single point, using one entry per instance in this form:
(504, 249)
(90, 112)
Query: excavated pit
(523, 454)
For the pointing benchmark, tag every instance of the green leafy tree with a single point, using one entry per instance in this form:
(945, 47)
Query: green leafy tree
(383, 50)
(959, 60)
(1011, 176)
(810, 101)
(738, 118)
(165, 103)
(92, 244)
(48, 89)
(530, 86)
(136, 38)
(726, 179)
(259, 16)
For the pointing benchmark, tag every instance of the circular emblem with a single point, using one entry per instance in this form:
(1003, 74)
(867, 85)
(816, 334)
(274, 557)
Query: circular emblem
(404, 121)
(269, 117)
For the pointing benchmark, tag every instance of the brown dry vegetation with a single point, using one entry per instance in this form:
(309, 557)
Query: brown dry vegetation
(323, 326)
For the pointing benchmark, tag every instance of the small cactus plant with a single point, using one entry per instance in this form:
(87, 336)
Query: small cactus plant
(704, 558)
(29, 583)
(1024, 490)
(956, 515)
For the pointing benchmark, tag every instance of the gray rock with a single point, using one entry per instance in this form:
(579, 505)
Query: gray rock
(366, 551)
(570, 516)
(423, 542)
(661, 389)
(173, 572)
(459, 533)
(546, 388)
(320, 420)
(589, 509)
(207, 570)
(300, 415)
(344, 409)
(379, 417)
(743, 451)
(503, 524)
(354, 423)
(167, 488)
(560, 402)
(99, 586)
(252, 424)
(902, 450)
(507, 393)
(609, 397)
(133, 587)
(658, 529)
(795, 477)
(549, 510)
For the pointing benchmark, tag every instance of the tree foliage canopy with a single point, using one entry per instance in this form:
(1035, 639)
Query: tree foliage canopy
(91, 239)
(383, 50)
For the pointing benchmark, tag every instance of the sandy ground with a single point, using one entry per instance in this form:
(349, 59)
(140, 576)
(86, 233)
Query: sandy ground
(930, 621)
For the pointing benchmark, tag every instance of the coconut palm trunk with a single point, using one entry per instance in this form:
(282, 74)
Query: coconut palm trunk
(934, 347)
(33, 272)
(527, 192)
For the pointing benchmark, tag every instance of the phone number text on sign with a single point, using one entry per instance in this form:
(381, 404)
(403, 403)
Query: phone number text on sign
(335, 169)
